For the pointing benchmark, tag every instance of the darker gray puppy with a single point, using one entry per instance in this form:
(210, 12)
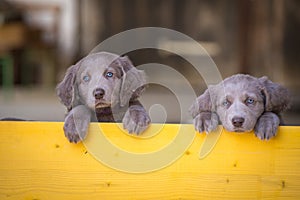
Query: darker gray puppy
(241, 103)
(102, 87)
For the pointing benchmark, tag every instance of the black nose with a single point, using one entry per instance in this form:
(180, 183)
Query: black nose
(98, 93)
(238, 121)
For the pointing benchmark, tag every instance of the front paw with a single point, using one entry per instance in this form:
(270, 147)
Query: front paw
(266, 126)
(136, 120)
(70, 130)
(206, 121)
(76, 123)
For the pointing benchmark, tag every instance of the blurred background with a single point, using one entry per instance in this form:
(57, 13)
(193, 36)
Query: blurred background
(40, 39)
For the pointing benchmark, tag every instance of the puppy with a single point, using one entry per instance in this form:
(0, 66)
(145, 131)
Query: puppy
(241, 103)
(102, 87)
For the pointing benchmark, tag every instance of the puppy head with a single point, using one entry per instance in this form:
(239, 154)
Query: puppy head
(101, 80)
(241, 104)
(240, 100)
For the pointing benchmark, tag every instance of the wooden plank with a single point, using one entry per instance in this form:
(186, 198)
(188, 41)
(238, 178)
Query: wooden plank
(37, 162)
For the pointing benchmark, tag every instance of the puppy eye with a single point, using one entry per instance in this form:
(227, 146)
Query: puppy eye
(250, 101)
(109, 74)
(226, 103)
(86, 78)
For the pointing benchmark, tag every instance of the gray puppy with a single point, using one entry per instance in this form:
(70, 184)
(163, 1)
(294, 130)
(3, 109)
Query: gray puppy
(102, 87)
(242, 103)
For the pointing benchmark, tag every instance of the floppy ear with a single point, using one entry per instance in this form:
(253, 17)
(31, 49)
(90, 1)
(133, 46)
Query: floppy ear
(66, 88)
(277, 98)
(132, 83)
(203, 103)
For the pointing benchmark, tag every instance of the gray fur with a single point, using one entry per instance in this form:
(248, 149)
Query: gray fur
(241, 103)
(79, 92)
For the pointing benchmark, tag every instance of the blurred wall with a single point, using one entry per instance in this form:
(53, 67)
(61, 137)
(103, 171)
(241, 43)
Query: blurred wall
(254, 36)
(249, 36)
(67, 23)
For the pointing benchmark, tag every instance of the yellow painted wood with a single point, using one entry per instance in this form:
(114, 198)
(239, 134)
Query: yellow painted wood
(37, 162)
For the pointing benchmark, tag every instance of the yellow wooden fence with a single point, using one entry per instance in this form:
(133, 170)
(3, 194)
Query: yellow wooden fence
(38, 163)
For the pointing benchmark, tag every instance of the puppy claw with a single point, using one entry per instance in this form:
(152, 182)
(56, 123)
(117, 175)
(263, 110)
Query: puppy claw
(71, 133)
(267, 125)
(206, 122)
(75, 130)
(136, 121)
(134, 128)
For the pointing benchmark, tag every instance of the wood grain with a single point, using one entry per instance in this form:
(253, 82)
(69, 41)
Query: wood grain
(37, 162)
